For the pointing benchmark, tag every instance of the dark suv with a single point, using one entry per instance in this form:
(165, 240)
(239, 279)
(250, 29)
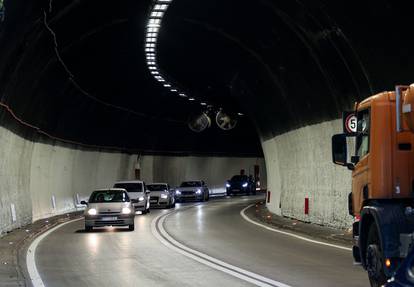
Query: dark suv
(240, 184)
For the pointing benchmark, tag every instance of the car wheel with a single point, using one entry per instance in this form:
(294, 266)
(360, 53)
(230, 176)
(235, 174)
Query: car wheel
(131, 227)
(88, 228)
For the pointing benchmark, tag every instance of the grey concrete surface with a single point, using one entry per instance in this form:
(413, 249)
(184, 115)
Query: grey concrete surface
(299, 165)
(39, 180)
(218, 230)
(213, 170)
(113, 257)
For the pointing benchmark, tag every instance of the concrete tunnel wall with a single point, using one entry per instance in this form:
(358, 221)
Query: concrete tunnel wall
(213, 170)
(39, 180)
(299, 165)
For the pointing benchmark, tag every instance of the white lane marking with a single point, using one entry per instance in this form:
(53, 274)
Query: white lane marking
(31, 252)
(205, 259)
(243, 214)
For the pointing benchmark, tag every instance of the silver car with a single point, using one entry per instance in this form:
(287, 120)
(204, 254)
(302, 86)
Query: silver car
(109, 207)
(192, 190)
(137, 191)
(161, 195)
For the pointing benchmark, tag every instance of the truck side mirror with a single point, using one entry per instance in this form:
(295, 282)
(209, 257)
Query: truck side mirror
(339, 149)
(83, 202)
(340, 152)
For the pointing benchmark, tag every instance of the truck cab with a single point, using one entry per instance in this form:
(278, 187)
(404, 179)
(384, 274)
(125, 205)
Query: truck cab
(381, 159)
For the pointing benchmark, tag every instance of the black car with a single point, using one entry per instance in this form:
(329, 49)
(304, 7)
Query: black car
(240, 184)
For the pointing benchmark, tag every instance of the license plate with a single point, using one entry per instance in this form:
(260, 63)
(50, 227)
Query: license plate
(236, 189)
(153, 201)
(109, 218)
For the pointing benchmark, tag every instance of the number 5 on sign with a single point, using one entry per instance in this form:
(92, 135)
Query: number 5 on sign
(349, 122)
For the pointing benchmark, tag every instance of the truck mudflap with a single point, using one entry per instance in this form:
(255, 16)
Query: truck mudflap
(406, 244)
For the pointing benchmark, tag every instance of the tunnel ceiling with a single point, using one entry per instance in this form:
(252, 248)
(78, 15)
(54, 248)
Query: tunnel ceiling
(77, 70)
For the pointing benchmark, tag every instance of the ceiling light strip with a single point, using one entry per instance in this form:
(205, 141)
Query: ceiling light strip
(153, 26)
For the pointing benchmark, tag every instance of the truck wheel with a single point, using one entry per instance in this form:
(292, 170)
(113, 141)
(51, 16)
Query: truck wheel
(374, 260)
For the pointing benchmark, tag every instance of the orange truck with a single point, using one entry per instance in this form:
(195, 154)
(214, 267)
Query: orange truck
(382, 165)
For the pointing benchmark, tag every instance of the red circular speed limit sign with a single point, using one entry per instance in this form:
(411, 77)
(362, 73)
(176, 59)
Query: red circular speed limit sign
(351, 123)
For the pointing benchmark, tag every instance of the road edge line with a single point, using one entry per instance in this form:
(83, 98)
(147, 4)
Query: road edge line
(245, 217)
(162, 235)
(34, 275)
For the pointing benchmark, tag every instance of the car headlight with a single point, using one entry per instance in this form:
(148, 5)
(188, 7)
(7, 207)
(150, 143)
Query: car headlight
(244, 184)
(141, 198)
(92, 211)
(164, 196)
(228, 185)
(177, 192)
(126, 210)
(198, 191)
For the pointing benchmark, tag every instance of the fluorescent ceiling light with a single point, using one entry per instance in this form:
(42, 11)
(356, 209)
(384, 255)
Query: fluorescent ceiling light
(152, 68)
(150, 45)
(153, 30)
(149, 40)
(149, 50)
(157, 14)
(154, 21)
(240, 114)
(161, 7)
(183, 95)
(164, 1)
(151, 63)
(173, 90)
(154, 72)
(191, 99)
(151, 34)
(203, 104)
(167, 85)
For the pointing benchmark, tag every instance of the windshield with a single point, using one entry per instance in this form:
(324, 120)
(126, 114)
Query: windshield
(190, 184)
(156, 187)
(239, 178)
(109, 196)
(130, 187)
(362, 142)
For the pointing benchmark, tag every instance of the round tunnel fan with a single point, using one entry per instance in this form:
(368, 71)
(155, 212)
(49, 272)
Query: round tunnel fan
(225, 121)
(199, 122)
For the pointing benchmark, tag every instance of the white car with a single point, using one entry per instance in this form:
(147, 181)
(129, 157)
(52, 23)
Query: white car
(137, 191)
(161, 195)
(109, 207)
(192, 190)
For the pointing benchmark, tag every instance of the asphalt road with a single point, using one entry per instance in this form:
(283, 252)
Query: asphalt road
(116, 257)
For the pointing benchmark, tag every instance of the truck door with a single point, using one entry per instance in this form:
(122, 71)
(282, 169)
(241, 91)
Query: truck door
(360, 184)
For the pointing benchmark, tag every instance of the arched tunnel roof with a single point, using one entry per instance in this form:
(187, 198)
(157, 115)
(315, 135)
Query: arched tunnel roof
(77, 69)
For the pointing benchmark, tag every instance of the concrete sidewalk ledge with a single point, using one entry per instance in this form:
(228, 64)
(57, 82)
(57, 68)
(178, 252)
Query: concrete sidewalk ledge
(261, 214)
(13, 248)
